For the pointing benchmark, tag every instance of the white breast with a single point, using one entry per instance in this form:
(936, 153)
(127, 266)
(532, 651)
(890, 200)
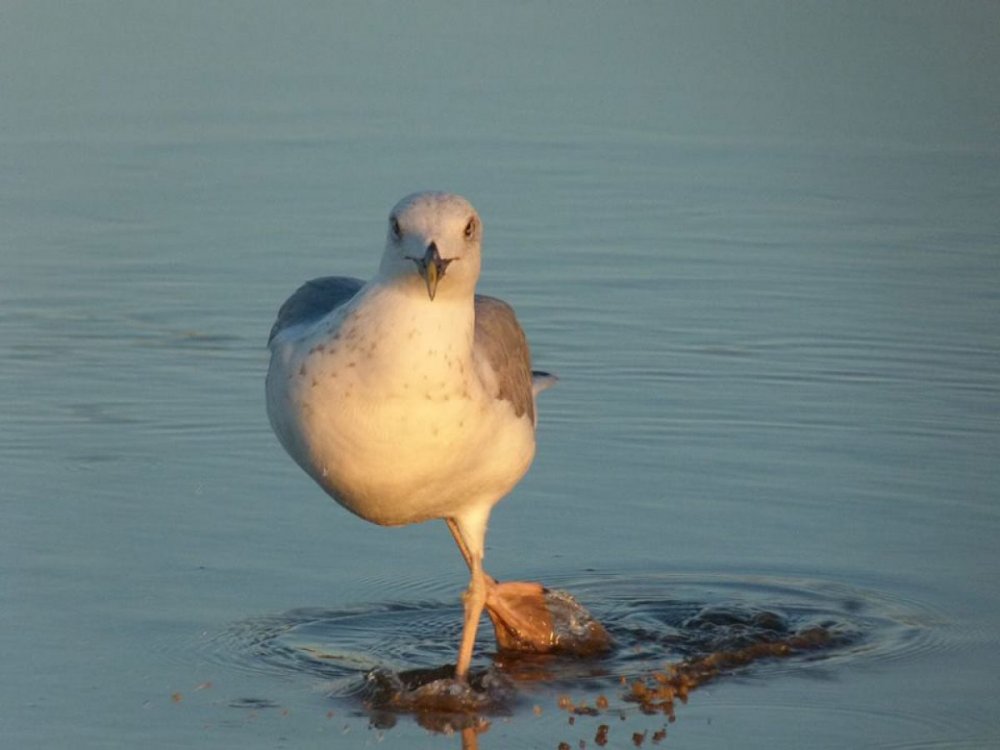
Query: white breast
(382, 405)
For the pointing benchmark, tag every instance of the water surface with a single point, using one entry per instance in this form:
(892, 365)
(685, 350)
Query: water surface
(759, 246)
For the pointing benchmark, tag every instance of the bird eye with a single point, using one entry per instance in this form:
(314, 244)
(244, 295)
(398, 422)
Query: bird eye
(470, 228)
(394, 227)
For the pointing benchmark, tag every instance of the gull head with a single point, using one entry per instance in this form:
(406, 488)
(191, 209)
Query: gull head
(432, 247)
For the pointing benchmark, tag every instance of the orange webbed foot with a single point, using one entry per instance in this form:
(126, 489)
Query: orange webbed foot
(528, 617)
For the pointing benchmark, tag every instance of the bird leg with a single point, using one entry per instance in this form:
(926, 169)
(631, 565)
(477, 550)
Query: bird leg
(474, 600)
(524, 614)
(459, 540)
(470, 532)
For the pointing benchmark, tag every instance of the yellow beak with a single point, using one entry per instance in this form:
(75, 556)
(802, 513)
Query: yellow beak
(431, 268)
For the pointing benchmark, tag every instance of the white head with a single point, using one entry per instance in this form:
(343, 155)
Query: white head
(433, 246)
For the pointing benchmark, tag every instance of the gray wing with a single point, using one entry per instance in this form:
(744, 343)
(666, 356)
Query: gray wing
(500, 340)
(313, 300)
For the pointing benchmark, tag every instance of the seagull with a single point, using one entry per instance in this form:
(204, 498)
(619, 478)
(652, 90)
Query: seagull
(409, 397)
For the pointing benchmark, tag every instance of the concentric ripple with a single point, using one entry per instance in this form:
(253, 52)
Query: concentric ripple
(655, 621)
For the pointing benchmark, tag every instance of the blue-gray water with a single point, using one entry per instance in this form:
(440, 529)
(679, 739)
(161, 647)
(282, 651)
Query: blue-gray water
(760, 244)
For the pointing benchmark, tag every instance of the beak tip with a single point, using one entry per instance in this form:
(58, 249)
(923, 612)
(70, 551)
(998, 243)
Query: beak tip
(431, 268)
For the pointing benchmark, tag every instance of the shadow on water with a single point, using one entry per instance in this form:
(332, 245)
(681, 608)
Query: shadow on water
(671, 634)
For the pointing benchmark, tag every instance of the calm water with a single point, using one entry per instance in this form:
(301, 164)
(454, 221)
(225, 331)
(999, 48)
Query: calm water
(759, 246)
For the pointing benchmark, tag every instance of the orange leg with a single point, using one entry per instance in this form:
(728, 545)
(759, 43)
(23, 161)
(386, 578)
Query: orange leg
(469, 531)
(518, 609)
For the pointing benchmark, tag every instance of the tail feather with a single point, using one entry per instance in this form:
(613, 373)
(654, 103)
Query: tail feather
(541, 381)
